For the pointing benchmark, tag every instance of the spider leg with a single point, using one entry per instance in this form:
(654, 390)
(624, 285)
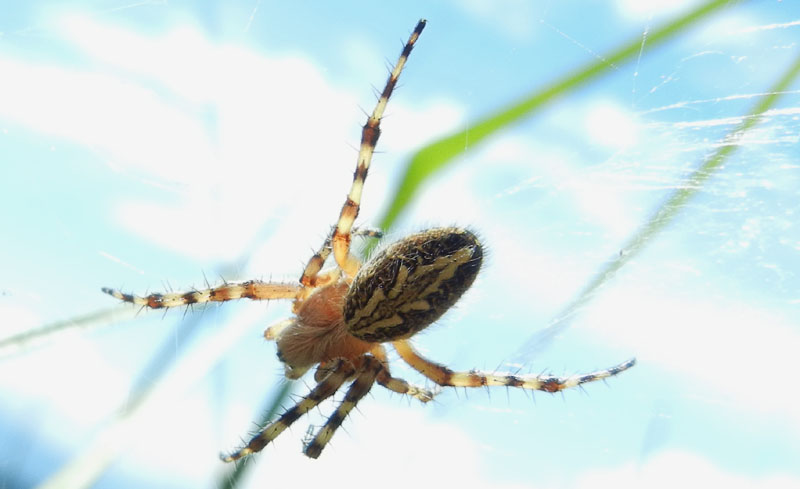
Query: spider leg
(339, 373)
(548, 383)
(358, 389)
(385, 378)
(252, 289)
(322, 370)
(369, 138)
(316, 262)
(367, 232)
(395, 384)
(274, 330)
(311, 276)
(400, 386)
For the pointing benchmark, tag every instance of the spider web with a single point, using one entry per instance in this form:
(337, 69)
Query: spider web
(151, 141)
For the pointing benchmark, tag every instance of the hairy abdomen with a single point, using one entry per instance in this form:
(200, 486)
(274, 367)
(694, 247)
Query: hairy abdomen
(411, 283)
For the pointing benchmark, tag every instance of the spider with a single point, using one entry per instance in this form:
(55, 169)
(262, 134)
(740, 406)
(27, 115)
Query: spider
(343, 315)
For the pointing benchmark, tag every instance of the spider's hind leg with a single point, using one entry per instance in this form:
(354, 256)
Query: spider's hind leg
(400, 386)
(369, 370)
(548, 383)
(396, 384)
(339, 373)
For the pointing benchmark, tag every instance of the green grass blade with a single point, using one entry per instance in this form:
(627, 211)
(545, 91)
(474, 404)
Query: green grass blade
(665, 214)
(232, 478)
(171, 365)
(436, 156)
(26, 340)
(87, 466)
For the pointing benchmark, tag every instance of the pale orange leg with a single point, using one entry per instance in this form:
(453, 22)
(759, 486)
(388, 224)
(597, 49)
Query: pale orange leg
(311, 276)
(385, 378)
(548, 383)
(369, 138)
(398, 385)
(252, 289)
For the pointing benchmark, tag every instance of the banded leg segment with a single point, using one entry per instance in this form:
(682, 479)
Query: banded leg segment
(395, 384)
(400, 386)
(368, 371)
(548, 383)
(369, 138)
(316, 262)
(311, 276)
(340, 372)
(252, 289)
(385, 378)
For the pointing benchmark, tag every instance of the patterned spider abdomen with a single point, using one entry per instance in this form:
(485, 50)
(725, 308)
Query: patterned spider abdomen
(410, 284)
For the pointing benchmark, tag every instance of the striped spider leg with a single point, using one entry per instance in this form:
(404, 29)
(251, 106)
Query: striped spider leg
(364, 371)
(250, 289)
(317, 333)
(343, 315)
(369, 138)
(446, 377)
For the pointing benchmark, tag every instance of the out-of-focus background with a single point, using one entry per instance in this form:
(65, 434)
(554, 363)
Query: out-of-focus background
(144, 145)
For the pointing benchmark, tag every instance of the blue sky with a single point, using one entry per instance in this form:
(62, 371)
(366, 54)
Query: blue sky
(145, 144)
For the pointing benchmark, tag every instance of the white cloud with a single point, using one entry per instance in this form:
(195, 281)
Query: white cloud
(236, 137)
(607, 124)
(392, 445)
(515, 19)
(730, 352)
(114, 116)
(676, 469)
(594, 193)
(75, 380)
(17, 319)
(638, 10)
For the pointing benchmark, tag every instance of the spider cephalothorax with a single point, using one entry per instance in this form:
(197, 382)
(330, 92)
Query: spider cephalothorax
(344, 315)
(397, 293)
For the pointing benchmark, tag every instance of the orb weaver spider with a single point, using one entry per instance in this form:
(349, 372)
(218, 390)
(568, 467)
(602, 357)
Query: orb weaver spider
(344, 315)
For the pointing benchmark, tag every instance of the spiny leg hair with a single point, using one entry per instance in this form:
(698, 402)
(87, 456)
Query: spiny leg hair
(339, 372)
(252, 289)
(366, 368)
(548, 383)
(368, 371)
(317, 261)
(369, 138)
(396, 384)
(400, 386)
(385, 379)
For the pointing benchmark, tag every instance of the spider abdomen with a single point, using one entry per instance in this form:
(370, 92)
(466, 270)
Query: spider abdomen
(411, 283)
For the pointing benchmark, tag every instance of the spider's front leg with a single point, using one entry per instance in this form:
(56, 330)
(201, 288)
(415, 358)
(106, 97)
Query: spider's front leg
(311, 273)
(252, 289)
(369, 138)
(446, 377)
